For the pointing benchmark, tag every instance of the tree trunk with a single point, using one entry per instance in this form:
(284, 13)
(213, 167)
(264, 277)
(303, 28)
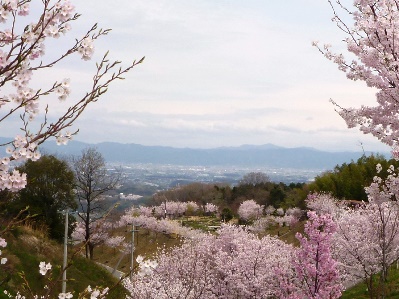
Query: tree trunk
(87, 250)
(91, 250)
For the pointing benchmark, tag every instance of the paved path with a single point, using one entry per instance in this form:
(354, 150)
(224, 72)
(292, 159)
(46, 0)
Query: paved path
(118, 274)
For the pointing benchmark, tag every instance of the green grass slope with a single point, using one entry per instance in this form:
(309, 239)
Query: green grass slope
(26, 248)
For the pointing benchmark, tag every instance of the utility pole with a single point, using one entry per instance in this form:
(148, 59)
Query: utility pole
(165, 208)
(66, 212)
(132, 252)
(65, 262)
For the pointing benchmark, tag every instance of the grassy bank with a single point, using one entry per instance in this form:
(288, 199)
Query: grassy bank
(27, 248)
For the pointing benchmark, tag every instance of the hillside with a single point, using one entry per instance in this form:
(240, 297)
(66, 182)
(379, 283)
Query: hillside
(26, 248)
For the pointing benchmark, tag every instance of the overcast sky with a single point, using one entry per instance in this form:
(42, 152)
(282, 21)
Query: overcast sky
(219, 73)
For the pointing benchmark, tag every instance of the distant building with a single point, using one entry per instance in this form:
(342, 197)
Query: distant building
(129, 196)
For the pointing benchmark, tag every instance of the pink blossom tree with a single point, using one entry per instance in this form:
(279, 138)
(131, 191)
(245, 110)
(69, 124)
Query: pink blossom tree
(99, 234)
(170, 209)
(211, 208)
(146, 211)
(323, 203)
(316, 272)
(250, 210)
(371, 37)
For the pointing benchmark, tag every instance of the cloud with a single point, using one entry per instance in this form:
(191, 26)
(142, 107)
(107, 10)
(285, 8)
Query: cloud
(216, 73)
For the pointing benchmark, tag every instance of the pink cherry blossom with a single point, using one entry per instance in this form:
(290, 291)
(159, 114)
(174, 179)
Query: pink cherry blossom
(250, 210)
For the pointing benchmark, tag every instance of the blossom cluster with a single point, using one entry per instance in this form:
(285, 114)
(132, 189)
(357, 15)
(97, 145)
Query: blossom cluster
(3, 244)
(20, 149)
(146, 267)
(166, 226)
(19, 72)
(211, 208)
(96, 292)
(86, 48)
(43, 268)
(99, 232)
(173, 209)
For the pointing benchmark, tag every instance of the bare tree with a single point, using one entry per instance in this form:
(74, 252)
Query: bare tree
(254, 178)
(92, 182)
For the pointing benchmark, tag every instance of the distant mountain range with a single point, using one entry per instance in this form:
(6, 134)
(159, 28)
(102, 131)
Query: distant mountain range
(250, 156)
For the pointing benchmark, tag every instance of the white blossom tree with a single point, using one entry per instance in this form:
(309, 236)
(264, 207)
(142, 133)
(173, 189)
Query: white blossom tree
(250, 210)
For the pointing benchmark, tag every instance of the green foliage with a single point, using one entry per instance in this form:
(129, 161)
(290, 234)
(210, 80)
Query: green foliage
(348, 180)
(198, 192)
(226, 215)
(49, 191)
(270, 193)
(264, 193)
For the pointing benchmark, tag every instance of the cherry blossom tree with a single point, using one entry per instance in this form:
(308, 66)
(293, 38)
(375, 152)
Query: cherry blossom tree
(269, 210)
(280, 212)
(323, 203)
(99, 234)
(211, 208)
(262, 224)
(250, 210)
(356, 246)
(295, 212)
(366, 241)
(371, 38)
(146, 211)
(171, 209)
(315, 269)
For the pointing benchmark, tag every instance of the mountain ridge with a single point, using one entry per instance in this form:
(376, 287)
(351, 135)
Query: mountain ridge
(251, 156)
